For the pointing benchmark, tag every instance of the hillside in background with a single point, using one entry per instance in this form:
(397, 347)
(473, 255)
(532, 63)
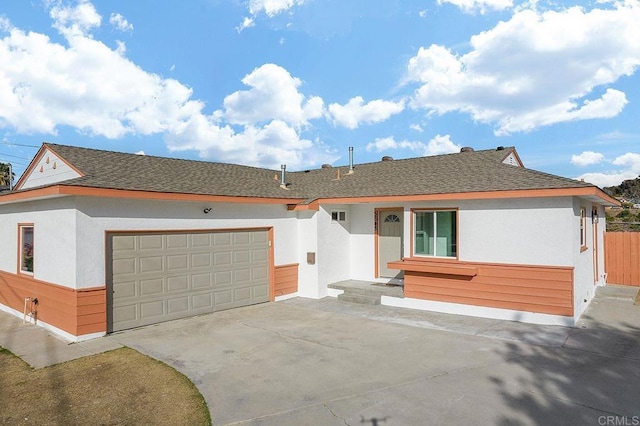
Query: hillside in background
(629, 190)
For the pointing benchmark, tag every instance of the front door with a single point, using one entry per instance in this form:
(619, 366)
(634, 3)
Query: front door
(389, 241)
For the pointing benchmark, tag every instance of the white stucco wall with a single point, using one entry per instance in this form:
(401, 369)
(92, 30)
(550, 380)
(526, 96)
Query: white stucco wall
(97, 216)
(584, 279)
(362, 250)
(308, 243)
(334, 260)
(54, 224)
(518, 231)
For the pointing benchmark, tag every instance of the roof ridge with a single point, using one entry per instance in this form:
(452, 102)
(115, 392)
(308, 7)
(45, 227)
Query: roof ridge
(54, 145)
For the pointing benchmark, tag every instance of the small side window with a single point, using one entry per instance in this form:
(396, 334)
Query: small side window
(338, 216)
(26, 248)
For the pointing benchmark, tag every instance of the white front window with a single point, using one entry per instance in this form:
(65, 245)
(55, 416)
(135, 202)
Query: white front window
(435, 233)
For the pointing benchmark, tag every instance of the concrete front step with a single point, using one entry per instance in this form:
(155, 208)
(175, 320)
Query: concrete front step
(368, 288)
(362, 299)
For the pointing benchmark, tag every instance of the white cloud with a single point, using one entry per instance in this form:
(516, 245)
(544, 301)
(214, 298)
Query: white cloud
(273, 94)
(75, 21)
(629, 169)
(120, 23)
(97, 90)
(587, 158)
(416, 127)
(482, 6)
(246, 23)
(356, 111)
(422, 13)
(269, 146)
(272, 7)
(269, 8)
(140, 153)
(534, 70)
(436, 146)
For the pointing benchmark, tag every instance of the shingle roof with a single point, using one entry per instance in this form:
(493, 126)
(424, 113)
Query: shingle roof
(476, 171)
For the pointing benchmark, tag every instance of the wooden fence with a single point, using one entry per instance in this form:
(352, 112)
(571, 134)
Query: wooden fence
(622, 257)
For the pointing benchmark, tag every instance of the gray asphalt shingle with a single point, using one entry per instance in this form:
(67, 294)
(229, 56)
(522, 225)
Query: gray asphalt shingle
(477, 171)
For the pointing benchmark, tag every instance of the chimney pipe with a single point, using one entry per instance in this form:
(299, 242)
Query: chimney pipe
(283, 175)
(350, 160)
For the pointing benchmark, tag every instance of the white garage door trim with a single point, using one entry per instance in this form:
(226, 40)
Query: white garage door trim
(157, 276)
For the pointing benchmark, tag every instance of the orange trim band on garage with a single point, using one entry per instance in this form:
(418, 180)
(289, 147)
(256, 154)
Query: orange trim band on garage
(285, 279)
(529, 288)
(77, 312)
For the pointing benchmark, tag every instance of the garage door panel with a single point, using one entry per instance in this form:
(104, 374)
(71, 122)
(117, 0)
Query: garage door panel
(222, 297)
(124, 290)
(178, 305)
(241, 238)
(222, 239)
(150, 242)
(201, 240)
(200, 260)
(176, 284)
(177, 241)
(242, 275)
(126, 313)
(123, 242)
(259, 255)
(200, 301)
(151, 264)
(150, 309)
(153, 287)
(242, 294)
(222, 278)
(177, 262)
(124, 266)
(258, 291)
(222, 259)
(200, 281)
(158, 277)
(259, 274)
(241, 256)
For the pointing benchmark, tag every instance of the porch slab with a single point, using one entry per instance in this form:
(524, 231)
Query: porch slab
(618, 292)
(368, 288)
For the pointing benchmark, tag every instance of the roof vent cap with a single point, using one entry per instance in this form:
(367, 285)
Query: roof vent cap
(500, 148)
(466, 149)
(387, 158)
(326, 166)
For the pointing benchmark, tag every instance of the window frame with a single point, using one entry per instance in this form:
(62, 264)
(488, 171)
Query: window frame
(413, 233)
(583, 229)
(338, 214)
(21, 249)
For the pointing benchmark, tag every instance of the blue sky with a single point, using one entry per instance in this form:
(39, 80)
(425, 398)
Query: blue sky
(267, 82)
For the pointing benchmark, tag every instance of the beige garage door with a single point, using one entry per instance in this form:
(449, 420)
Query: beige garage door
(153, 277)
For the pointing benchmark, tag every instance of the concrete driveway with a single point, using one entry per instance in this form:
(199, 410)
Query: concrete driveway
(333, 363)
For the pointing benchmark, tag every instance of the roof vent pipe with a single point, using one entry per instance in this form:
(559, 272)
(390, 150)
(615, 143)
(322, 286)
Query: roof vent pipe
(350, 160)
(283, 176)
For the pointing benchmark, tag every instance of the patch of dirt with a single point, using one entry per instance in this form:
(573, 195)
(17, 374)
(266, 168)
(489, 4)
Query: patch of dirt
(120, 387)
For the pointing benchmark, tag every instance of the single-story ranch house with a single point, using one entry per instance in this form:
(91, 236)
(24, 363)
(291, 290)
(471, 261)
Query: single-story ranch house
(107, 241)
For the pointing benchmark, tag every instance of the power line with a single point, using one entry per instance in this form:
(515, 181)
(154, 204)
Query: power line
(18, 144)
(14, 156)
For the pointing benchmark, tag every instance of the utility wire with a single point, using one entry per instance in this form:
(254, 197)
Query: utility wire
(18, 144)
